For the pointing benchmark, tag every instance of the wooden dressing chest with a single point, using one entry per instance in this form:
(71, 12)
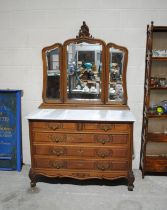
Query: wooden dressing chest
(83, 129)
(82, 149)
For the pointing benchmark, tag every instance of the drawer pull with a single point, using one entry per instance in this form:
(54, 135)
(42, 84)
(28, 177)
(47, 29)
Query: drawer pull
(105, 127)
(53, 126)
(103, 139)
(103, 166)
(56, 139)
(57, 165)
(104, 154)
(57, 152)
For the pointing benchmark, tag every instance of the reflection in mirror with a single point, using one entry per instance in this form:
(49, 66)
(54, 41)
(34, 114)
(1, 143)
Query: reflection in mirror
(84, 71)
(116, 60)
(53, 74)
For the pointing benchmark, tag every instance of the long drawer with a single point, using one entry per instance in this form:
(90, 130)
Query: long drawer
(78, 151)
(76, 164)
(74, 138)
(81, 126)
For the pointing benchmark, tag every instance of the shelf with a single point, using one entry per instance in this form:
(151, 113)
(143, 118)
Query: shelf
(163, 116)
(158, 88)
(159, 58)
(159, 29)
(157, 137)
(84, 92)
(159, 157)
(156, 157)
(53, 72)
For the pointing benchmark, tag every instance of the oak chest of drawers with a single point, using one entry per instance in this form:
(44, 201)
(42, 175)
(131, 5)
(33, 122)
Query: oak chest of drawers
(65, 146)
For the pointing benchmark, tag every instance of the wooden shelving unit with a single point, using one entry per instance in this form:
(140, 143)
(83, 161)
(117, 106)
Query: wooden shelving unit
(153, 155)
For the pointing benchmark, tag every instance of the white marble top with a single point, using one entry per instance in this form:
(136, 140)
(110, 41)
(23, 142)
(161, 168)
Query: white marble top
(83, 115)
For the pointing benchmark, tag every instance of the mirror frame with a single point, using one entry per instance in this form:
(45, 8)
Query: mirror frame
(44, 92)
(124, 84)
(90, 41)
(103, 102)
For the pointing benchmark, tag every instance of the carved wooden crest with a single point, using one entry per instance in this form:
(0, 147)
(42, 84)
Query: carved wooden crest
(84, 31)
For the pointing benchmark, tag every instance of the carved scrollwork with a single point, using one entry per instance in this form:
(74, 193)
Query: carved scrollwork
(104, 153)
(58, 164)
(80, 175)
(103, 166)
(57, 138)
(84, 31)
(54, 126)
(103, 139)
(57, 151)
(105, 127)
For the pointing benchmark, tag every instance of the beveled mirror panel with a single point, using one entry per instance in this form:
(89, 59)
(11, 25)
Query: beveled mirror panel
(52, 71)
(117, 63)
(84, 71)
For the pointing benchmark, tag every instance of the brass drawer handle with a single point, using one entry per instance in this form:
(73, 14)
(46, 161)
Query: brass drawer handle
(57, 165)
(56, 139)
(103, 166)
(53, 126)
(57, 152)
(104, 154)
(105, 127)
(103, 139)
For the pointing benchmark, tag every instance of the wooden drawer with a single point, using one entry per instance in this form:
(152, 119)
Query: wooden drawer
(76, 164)
(156, 164)
(84, 151)
(53, 125)
(78, 126)
(74, 138)
(105, 127)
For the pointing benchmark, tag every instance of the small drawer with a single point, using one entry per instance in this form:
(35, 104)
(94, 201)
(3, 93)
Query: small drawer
(156, 164)
(76, 151)
(52, 125)
(74, 138)
(78, 164)
(105, 127)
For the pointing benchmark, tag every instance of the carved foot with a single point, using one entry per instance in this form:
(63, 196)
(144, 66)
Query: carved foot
(33, 177)
(32, 184)
(131, 179)
(130, 187)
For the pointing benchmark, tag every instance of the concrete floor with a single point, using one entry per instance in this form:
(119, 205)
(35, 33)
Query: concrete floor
(149, 193)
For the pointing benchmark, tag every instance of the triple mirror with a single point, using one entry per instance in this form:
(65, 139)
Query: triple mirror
(84, 71)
